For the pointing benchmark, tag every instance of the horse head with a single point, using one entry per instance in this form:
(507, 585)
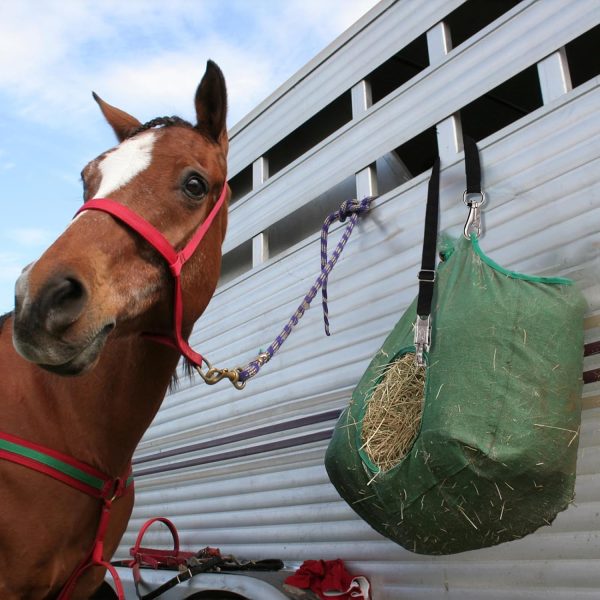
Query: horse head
(100, 278)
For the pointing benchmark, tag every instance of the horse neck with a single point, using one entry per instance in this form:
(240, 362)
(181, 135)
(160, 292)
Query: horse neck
(102, 415)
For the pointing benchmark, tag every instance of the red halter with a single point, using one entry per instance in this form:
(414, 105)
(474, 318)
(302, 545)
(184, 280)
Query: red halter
(175, 259)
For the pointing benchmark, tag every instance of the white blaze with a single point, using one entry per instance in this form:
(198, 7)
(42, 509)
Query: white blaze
(121, 165)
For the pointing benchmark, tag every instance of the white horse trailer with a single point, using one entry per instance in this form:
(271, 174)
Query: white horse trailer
(243, 470)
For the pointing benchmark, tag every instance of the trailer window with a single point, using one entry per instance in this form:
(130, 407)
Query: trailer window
(310, 133)
(401, 67)
(407, 161)
(511, 100)
(473, 16)
(241, 184)
(308, 219)
(236, 262)
(583, 55)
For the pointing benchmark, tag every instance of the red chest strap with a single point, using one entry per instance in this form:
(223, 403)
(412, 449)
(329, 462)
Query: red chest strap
(80, 476)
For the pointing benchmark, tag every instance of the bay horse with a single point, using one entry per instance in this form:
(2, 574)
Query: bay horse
(80, 375)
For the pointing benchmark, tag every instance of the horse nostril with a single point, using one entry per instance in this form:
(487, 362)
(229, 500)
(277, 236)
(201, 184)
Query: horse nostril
(63, 302)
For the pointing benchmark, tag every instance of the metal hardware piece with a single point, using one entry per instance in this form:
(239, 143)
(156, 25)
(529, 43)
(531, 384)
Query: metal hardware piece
(473, 223)
(427, 275)
(213, 375)
(187, 573)
(263, 358)
(422, 338)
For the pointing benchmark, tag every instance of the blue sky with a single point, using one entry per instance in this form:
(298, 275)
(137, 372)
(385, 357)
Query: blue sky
(144, 56)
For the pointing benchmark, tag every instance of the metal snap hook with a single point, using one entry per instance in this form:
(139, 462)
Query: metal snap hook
(473, 223)
(213, 375)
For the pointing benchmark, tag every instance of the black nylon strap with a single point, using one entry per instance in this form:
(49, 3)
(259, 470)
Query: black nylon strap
(427, 273)
(180, 578)
(269, 564)
(472, 166)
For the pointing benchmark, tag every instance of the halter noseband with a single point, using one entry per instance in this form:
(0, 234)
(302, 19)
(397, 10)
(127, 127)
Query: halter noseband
(175, 259)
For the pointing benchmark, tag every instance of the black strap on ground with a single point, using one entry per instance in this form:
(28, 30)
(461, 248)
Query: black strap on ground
(427, 272)
(206, 565)
(472, 166)
(223, 564)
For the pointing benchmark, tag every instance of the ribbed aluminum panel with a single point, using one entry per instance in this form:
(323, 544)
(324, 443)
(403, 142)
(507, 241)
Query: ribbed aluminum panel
(465, 74)
(251, 479)
(558, 217)
(375, 38)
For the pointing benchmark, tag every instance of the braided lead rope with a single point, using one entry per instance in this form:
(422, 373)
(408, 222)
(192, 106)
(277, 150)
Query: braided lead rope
(350, 208)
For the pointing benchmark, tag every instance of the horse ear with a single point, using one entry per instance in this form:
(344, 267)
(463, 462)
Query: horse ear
(211, 103)
(123, 124)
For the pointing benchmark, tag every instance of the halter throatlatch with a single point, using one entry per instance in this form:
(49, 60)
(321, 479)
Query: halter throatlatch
(175, 259)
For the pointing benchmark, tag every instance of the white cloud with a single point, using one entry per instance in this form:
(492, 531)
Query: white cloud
(28, 236)
(148, 56)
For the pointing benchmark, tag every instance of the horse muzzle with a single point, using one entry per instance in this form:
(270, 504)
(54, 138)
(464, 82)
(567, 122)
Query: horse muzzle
(47, 327)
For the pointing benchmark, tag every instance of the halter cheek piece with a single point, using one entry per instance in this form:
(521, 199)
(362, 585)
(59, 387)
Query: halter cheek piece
(175, 259)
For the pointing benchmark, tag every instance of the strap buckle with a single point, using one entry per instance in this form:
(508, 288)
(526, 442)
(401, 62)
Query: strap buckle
(426, 275)
(184, 575)
(422, 338)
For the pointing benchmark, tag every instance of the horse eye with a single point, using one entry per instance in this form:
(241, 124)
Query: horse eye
(195, 187)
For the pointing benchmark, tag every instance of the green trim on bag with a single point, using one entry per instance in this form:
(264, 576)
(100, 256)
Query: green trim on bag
(358, 438)
(513, 274)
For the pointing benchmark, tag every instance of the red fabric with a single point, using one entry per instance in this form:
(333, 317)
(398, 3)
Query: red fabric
(326, 578)
(175, 259)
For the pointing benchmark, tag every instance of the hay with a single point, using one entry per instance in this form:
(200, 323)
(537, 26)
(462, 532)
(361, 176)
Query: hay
(393, 413)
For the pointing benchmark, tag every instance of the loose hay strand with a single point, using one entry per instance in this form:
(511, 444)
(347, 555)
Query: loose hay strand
(393, 413)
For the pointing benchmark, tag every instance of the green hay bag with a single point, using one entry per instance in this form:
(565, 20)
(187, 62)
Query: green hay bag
(495, 454)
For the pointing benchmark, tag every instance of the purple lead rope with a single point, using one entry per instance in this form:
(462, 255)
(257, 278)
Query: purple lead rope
(350, 209)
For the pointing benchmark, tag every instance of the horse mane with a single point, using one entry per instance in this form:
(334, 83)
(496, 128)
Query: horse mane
(3, 319)
(162, 122)
(173, 121)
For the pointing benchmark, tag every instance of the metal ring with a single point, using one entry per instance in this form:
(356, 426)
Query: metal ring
(474, 204)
